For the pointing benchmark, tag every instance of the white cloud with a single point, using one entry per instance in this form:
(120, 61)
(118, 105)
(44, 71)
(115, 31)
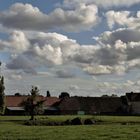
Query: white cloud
(48, 50)
(125, 35)
(123, 18)
(134, 64)
(27, 17)
(64, 74)
(125, 41)
(117, 52)
(105, 69)
(49, 53)
(118, 87)
(74, 87)
(15, 77)
(137, 83)
(102, 3)
(39, 50)
(22, 62)
(120, 50)
(97, 70)
(17, 42)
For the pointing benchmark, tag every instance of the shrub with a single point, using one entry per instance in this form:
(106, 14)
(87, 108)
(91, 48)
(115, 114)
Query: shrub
(76, 121)
(89, 122)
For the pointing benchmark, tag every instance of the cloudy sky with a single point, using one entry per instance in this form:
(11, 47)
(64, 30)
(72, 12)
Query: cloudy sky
(84, 47)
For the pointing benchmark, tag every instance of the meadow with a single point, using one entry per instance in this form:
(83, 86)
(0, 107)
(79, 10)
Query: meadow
(109, 128)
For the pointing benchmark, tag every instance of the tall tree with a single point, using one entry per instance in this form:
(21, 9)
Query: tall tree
(32, 105)
(64, 95)
(2, 95)
(48, 93)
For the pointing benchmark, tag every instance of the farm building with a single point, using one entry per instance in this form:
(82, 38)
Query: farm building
(14, 104)
(133, 100)
(124, 105)
(91, 105)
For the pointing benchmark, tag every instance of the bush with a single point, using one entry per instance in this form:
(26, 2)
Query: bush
(89, 122)
(76, 121)
(67, 122)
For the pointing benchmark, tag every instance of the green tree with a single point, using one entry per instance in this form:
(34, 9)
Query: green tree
(48, 93)
(64, 95)
(2, 95)
(32, 105)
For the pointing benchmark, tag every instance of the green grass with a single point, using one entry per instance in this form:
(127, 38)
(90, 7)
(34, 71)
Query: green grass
(106, 119)
(113, 119)
(118, 119)
(12, 129)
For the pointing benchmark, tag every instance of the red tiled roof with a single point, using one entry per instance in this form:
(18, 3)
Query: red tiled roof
(15, 101)
(50, 101)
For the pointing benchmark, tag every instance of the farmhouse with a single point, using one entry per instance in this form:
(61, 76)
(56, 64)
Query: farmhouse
(14, 104)
(124, 105)
(133, 100)
(91, 105)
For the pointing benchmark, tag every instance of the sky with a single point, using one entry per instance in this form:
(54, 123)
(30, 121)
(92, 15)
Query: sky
(84, 47)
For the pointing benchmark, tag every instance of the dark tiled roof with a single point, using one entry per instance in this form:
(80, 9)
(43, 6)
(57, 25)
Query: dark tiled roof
(95, 104)
(132, 97)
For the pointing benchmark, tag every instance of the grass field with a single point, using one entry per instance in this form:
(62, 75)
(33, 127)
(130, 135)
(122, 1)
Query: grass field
(110, 128)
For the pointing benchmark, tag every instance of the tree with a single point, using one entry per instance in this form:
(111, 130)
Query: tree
(64, 95)
(2, 95)
(114, 95)
(105, 95)
(48, 93)
(32, 105)
(17, 94)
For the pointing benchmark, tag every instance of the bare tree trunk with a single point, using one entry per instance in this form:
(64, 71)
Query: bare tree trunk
(32, 117)
(32, 111)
